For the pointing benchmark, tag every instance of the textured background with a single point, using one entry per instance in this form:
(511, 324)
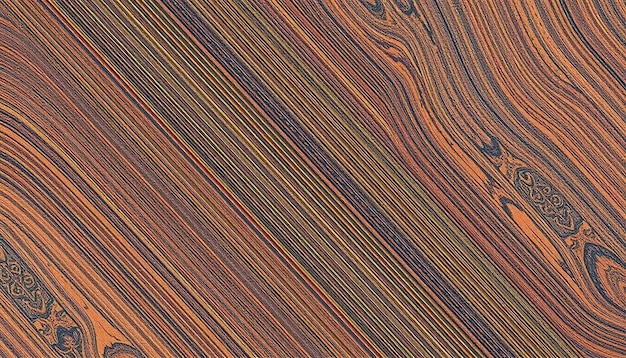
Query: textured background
(325, 178)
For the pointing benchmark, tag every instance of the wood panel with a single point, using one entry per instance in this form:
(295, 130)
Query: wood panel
(350, 178)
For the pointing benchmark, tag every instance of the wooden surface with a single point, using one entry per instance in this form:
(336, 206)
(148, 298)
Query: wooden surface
(349, 178)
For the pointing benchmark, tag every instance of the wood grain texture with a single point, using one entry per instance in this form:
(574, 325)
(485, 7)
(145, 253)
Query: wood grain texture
(328, 178)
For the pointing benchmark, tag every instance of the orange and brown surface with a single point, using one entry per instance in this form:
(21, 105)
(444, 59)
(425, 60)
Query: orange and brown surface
(313, 178)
